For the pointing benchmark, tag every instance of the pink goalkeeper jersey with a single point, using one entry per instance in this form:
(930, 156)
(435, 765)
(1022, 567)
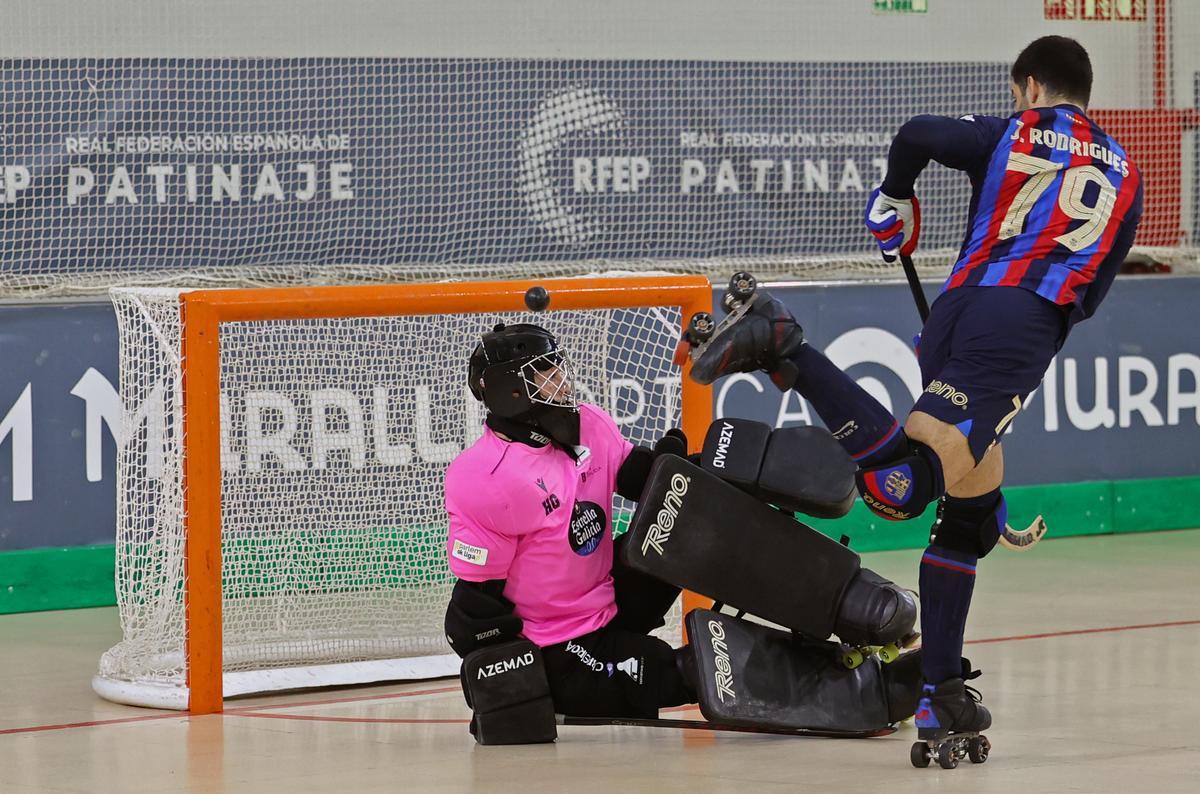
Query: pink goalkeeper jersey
(543, 522)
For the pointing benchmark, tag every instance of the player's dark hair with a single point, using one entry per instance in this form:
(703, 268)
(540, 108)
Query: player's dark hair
(1059, 63)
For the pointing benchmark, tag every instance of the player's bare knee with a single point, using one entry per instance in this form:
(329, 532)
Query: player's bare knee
(946, 439)
(967, 436)
(901, 489)
(983, 479)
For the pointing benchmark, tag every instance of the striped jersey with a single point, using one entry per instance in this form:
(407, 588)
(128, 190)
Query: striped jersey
(1055, 201)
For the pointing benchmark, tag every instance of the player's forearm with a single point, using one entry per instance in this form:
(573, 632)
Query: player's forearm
(951, 142)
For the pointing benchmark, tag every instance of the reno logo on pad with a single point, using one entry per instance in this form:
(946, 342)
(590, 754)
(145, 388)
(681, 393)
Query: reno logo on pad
(660, 531)
(723, 677)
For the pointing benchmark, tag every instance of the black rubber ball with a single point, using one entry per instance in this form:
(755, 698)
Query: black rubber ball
(537, 299)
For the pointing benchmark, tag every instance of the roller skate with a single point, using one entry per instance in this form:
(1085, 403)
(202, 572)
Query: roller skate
(757, 333)
(950, 721)
(876, 618)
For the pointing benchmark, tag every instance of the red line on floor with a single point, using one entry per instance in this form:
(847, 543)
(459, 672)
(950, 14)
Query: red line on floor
(254, 711)
(176, 715)
(1072, 632)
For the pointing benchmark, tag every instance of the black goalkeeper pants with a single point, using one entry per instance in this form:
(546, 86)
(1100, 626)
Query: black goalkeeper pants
(620, 670)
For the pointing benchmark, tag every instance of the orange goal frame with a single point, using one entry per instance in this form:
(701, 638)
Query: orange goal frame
(203, 311)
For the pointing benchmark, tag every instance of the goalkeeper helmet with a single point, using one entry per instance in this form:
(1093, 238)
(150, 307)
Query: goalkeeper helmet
(520, 374)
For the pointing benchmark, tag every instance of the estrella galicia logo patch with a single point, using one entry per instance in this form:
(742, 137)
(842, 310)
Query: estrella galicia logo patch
(587, 527)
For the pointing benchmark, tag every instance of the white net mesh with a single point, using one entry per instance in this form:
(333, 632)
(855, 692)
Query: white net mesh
(213, 169)
(335, 437)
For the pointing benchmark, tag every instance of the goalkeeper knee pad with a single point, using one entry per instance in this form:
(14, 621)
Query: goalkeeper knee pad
(903, 488)
(507, 689)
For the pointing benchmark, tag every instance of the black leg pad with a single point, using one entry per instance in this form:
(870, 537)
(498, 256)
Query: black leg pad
(506, 686)
(752, 675)
(734, 450)
(806, 470)
(697, 531)
(800, 469)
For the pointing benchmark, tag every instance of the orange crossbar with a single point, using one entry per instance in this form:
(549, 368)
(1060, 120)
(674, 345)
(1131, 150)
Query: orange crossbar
(202, 311)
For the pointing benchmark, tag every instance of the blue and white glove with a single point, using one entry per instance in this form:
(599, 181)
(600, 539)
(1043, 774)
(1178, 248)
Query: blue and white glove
(896, 223)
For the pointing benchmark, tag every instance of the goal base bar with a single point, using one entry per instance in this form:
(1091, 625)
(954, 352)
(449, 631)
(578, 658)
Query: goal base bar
(168, 696)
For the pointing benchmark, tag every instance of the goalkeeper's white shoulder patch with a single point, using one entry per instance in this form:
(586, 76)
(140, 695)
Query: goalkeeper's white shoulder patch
(475, 555)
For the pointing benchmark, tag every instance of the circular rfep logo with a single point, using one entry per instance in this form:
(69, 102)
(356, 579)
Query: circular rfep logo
(587, 527)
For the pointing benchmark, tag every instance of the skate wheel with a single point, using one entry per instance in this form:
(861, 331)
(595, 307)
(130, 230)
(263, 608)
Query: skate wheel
(700, 328)
(919, 755)
(978, 748)
(742, 286)
(946, 756)
(853, 658)
(889, 653)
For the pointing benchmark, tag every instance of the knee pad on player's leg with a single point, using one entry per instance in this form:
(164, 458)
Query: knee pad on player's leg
(968, 528)
(506, 686)
(903, 488)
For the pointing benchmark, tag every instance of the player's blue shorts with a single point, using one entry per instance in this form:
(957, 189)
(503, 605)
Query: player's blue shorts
(982, 351)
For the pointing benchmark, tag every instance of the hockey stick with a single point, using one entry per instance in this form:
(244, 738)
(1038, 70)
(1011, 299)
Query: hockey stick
(914, 284)
(1015, 539)
(702, 725)
(1023, 539)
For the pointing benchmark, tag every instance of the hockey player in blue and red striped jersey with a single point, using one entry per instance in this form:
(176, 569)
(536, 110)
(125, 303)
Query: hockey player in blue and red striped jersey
(1054, 207)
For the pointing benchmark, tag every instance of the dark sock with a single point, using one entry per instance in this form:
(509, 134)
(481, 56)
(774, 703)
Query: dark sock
(865, 429)
(947, 581)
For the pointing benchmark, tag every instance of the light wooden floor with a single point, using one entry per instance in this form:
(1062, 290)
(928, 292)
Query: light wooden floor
(1102, 697)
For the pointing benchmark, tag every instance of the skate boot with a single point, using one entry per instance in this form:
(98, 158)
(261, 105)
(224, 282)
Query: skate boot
(875, 617)
(949, 720)
(758, 333)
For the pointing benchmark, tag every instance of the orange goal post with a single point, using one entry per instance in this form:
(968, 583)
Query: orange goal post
(280, 519)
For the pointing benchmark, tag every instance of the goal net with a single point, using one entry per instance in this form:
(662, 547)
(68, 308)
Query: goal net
(201, 168)
(338, 412)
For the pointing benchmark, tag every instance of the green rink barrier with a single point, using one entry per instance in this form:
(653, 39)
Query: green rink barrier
(32, 580)
(82, 576)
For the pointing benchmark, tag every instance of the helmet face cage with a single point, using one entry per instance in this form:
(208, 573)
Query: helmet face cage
(549, 379)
